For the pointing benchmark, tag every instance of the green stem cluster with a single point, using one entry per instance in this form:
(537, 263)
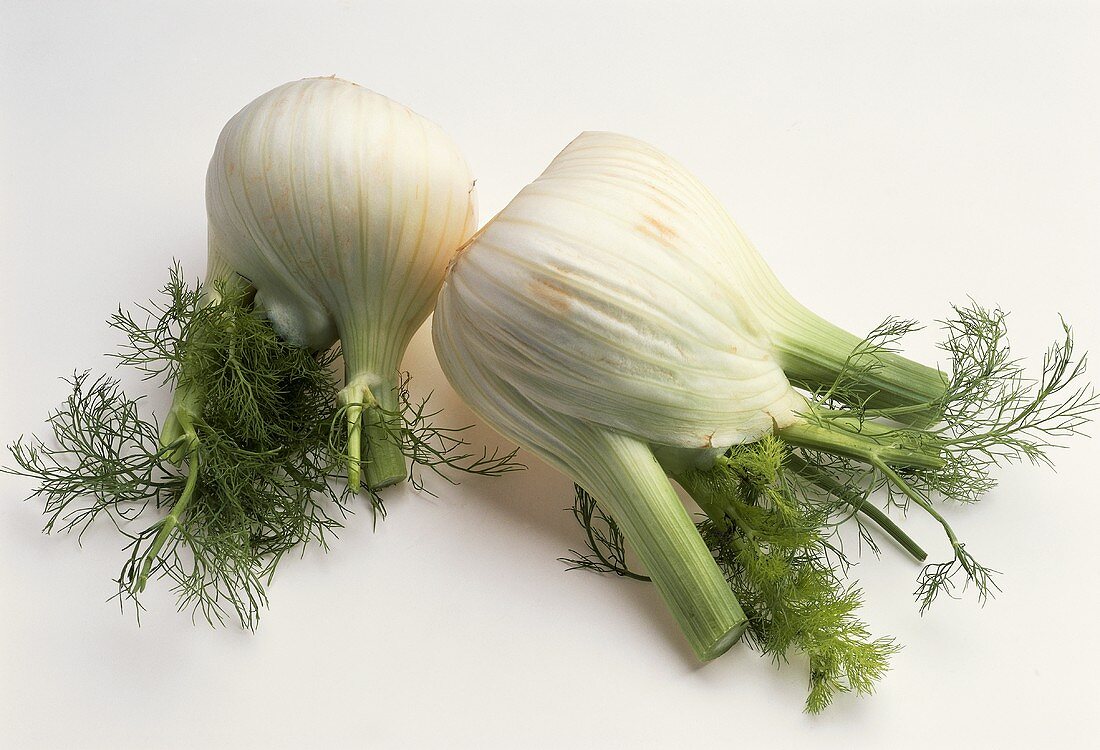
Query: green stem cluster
(873, 421)
(815, 354)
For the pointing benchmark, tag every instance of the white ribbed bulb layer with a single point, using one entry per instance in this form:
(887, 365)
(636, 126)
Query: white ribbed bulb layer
(605, 292)
(343, 208)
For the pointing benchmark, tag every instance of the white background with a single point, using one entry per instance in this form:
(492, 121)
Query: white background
(885, 157)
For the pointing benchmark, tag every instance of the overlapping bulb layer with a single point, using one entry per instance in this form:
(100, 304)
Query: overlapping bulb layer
(610, 298)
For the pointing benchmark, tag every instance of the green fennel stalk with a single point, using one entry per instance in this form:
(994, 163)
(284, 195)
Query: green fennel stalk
(773, 508)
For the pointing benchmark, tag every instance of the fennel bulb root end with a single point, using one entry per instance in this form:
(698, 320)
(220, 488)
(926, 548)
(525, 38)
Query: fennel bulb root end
(379, 419)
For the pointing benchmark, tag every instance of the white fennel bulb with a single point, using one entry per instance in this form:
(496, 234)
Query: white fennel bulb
(587, 321)
(614, 320)
(342, 208)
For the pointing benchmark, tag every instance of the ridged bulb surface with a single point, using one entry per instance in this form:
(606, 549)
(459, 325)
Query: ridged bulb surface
(604, 293)
(343, 208)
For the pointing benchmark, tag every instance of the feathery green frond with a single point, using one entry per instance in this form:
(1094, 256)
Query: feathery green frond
(257, 459)
(605, 542)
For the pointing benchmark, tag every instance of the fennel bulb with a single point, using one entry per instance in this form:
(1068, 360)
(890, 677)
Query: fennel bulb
(342, 208)
(615, 321)
(333, 212)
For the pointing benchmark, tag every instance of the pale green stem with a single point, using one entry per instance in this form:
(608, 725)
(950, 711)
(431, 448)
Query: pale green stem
(857, 502)
(188, 399)
(625, 479)
(813, 352)
(873, 443)
(353, 416)
(190, 447)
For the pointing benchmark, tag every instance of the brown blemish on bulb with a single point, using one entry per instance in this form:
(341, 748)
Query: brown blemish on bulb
(656, 229)
(662, 198)
(551, 294)
(659, 200)
(281, 200)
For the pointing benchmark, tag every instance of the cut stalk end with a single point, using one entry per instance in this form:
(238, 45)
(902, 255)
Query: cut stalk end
(373, 419)
(385, 458)
(725, 642)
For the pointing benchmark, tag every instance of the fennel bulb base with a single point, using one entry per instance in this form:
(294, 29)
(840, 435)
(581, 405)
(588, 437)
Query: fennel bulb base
(380, 420)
